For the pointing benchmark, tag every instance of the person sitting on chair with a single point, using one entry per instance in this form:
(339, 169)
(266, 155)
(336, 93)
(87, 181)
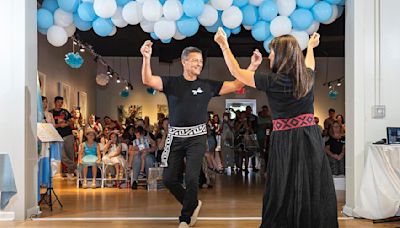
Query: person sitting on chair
(89, 155)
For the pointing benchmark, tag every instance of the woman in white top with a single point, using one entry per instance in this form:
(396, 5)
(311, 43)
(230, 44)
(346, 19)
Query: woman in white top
(48, 116)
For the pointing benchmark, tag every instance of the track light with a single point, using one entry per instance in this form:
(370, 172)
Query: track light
(118, 80)
(339, 83)
(82, 49)
(330, 85)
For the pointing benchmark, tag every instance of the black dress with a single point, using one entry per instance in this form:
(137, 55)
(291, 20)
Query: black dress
(299, 185)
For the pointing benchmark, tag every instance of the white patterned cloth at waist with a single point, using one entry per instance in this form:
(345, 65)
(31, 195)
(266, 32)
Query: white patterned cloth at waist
(180, 132)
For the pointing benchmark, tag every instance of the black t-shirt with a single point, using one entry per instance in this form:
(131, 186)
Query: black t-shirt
(279, 90)
(336, 145)
(62, 114)
(188, 100)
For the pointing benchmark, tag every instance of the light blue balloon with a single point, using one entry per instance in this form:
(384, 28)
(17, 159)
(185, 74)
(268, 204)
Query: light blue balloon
(307, 4)
(301, 19)
(162, 2)
(167, 41)
(42, 31)
(260, 31)
(124, 93)
(193, 8)
(122, 2)
(214, 28)
(206, 1)
(81, 24)
(154, 36)
(333, 2)
(268, 10)
(50, 5)
(322, 11)
(69, 5)
(267, 42)
(250, 15)
(240, 3)
(86, 11)
(187, 26)
(44, 18)
(102, 27)
(332, 94)
(236, 30)
(227, 31)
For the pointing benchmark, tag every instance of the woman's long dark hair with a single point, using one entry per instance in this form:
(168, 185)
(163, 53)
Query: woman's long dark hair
(289, 60)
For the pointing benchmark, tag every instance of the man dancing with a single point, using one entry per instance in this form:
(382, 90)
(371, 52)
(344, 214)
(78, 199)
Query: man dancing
(188, 97)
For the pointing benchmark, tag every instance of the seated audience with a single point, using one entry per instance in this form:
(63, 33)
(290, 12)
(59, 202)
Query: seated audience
(335, 149)
(113, 155)
(111, 124)
(89, 155)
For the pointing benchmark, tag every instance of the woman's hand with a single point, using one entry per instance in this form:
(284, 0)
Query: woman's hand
(147, 49)
(314, 40)
(256, 58)
(221, 39)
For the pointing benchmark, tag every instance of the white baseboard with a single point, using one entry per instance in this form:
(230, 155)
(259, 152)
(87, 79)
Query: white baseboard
(7, 215)
(33, 211)
(348, 211)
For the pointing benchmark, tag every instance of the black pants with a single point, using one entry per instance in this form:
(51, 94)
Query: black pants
(193, 149)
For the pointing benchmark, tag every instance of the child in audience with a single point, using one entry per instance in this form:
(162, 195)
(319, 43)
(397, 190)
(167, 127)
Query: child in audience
(89, 155)
(113, 155)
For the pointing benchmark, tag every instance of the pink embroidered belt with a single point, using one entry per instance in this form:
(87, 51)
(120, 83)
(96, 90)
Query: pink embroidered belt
(303, 120)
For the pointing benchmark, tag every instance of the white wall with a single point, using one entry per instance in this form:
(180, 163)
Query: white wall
(51, 63)
(364, 86)
(108, 97)
(18, 63)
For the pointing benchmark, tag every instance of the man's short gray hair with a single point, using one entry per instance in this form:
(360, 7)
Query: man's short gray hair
(188, 50)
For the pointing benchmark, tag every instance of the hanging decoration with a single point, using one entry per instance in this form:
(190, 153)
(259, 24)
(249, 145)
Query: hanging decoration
(124, 93)
(102, 79)
(167, 19)
(333, 94)
(74, 60)
(151, 91)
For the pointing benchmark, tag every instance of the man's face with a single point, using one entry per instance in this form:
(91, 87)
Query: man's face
(193, 63)
(58, 104)
(107, 121)
(332, 115)
(248, 110)
(316, 120)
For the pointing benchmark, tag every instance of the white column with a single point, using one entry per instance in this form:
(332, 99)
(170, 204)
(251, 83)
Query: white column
(18, 64)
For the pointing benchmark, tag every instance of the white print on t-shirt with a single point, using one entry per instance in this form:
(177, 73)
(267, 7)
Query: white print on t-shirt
(198, 91)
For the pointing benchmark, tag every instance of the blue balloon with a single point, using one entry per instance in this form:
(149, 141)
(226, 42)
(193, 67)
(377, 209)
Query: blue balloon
(307, 4)
(50, 5)
(102, 27)
(69, 5)
(250, 15)
(44, 19)
(154, 36)
(42, 31)
(214, 28)
(122, 2)
(342, 2)
(124, 93)
(301, 19)
(268, 10)
(81, 24)
(267, 42)
(236, 30)
(227, 31)
(334, 2)
(260, 31)
(206, 1)
(332, 94)
(193, 8)
(187, 26)
(322, 11)
(162, 2)
(86, 11)
(167, 41)
(240, 3)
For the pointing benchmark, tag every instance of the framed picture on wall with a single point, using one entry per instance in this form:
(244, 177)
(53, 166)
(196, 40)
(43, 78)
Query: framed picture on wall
(82, 103)
(42, 83)
(64, 90)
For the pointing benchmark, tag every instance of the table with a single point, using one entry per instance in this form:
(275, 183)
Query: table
(379, 195)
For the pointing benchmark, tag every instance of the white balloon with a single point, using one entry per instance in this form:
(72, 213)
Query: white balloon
(334, 16)
(232, 17)
(57, 36)
(70, 30)
(173, 10)
(152, 10)
(256, 2)
(113, 31)
(117, 19)
(147, 26)
(63, 18)
(105, 8)
(313, 27)
(248, 27)
(132, 13)
(141, 1)
(102, 79)
(209, 16)
(302, 38)
(286, 7)
(165, 29)
(88, 1)
(221, 4)
(280, 25)
(178, 35)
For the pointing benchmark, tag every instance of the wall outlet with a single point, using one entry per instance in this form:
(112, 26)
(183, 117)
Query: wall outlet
(378, 111)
